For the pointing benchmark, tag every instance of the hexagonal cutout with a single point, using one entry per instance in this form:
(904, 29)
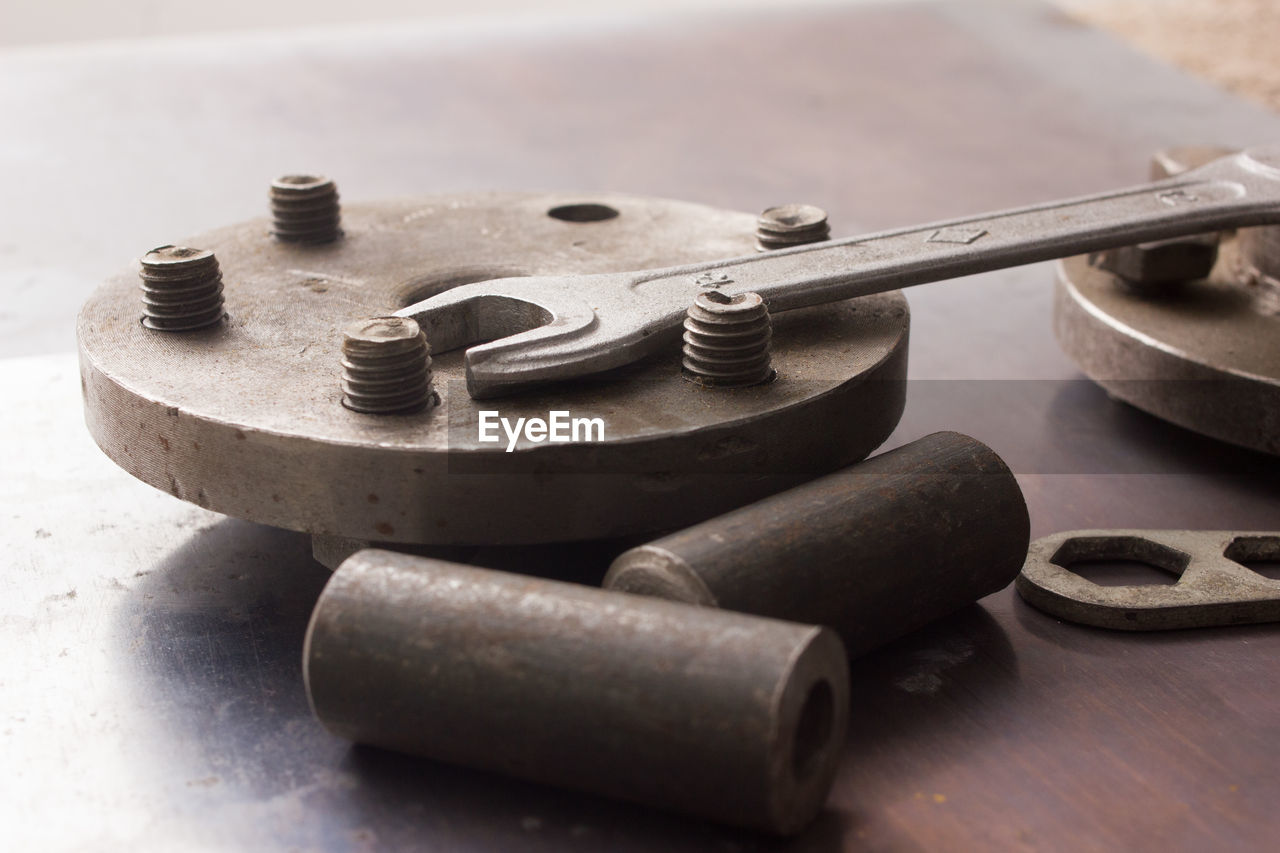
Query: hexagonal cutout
(1259, 554)
(1121, 560)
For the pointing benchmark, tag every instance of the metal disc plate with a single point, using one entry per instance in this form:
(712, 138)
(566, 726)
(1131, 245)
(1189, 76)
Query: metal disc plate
(245, 418)
(1205, 356)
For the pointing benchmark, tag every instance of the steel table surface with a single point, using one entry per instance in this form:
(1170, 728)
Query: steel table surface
(152, 695)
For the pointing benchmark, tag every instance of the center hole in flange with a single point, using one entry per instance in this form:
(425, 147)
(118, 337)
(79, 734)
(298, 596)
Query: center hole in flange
(813, 730)
(582, 212)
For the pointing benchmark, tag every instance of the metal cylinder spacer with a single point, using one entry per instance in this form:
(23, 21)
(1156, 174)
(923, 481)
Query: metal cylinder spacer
(873, 551)
(181, 289)
(788, 225)
(713, 713)
(726, 340)
(386, 366)
(305, 209)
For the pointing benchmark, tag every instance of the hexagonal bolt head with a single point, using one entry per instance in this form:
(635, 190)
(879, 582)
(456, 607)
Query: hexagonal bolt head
(1152, 267)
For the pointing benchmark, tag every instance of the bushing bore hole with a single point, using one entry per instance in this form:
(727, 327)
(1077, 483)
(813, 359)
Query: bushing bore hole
(813, 729)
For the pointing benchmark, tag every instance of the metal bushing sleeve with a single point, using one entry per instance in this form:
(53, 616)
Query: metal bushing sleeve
(874, 550)
(718, 714)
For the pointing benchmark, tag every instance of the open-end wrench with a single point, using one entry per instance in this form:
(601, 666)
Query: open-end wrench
(548, 328)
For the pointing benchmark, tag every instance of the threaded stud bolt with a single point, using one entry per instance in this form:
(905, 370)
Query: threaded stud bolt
(386, 366)
(726, 340)
(305, 209)
(789, 225)
(181, 289)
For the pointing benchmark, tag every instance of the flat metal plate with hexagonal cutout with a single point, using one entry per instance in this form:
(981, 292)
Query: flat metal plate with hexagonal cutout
(1222, 578)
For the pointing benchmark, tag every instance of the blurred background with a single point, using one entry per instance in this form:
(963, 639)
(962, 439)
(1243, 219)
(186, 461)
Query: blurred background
(1230, 42)
(79, 20)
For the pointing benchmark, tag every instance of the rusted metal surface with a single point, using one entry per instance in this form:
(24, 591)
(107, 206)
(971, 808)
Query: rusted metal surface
(874, 551)
(717, 714)
(668, 452)
(1215, 585)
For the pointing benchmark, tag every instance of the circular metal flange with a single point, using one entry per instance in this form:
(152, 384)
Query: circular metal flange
(1203, 354)
(246, 418)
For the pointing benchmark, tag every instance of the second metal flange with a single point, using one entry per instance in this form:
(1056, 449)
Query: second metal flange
(1187, 330)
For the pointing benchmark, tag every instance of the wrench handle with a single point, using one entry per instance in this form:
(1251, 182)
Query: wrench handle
(1238, 191)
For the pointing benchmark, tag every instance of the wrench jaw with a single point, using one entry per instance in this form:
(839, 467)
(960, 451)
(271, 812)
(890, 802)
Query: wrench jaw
(525, 331)
(529, 358)
(572, 345)
(474, 313)
(521, 332)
